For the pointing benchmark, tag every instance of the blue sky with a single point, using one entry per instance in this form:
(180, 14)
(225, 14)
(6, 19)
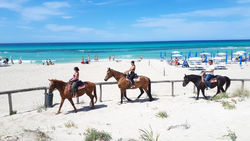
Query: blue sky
(123, 20)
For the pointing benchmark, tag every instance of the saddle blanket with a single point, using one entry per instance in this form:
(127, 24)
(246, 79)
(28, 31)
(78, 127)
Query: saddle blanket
(213, 80)
(136, 79)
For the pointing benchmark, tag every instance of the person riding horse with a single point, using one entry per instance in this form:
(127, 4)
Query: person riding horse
(209, 73)
(74, 81)
(132, 74)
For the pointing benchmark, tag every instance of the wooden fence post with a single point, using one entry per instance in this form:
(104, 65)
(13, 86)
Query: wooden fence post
(77, 100)
(100, 92)
(242, 84)
(10, 103)
(172, 88)
(45, 92)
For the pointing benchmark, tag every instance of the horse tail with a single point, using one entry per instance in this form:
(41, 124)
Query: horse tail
(228, 82)
(149, 89)
(95, 93)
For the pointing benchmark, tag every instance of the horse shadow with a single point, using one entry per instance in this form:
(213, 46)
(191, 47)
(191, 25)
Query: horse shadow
(142, 100)
(201, 97)
(88, 108)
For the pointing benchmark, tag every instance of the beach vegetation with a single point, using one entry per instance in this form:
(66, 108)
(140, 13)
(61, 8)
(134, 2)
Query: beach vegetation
(231, 134)
(41, 108)
(228, 105)
(92, 134)
(148, 135)
(220, 96)
(70, 124)
(241, 93)
(40, 135)
(162, 114)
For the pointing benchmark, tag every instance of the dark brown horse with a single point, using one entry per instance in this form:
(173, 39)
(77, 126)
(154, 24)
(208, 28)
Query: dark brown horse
(65, 92)
(144, 84)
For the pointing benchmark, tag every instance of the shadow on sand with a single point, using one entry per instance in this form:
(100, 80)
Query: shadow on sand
(201, 97)
(88, 108)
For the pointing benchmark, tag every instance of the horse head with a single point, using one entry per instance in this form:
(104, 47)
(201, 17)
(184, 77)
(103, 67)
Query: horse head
(108, 75)
(185, 81)
(52, 85)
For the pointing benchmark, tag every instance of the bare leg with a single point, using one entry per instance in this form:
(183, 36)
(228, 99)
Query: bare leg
(62, 101)
(72, 103)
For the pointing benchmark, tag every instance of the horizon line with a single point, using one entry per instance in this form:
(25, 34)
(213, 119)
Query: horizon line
(124, 41)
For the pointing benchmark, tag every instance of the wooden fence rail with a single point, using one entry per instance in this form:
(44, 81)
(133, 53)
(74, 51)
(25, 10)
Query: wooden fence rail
(9, 93)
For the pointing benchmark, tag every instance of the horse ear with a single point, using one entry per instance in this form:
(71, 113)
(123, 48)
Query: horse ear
(108, 69)
(49, 79)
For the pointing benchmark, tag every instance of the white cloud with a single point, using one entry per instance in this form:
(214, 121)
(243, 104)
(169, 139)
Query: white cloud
(243, 1)
(67, 17)
(54, 27)
(24, 27)
(34, 13)
(223, 23)
(105, 2)
(56, 5)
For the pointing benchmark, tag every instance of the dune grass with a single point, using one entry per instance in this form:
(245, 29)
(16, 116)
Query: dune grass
(162, 114)
(228, 105)
(220, 96)
(41, 108)
(231, 134)
(41, 136)
(241, 93)
(95, 135)
(70, 124)
(148, 135)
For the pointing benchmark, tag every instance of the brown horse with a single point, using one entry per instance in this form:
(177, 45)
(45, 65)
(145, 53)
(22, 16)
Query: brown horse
(144, 84)
(65, 92)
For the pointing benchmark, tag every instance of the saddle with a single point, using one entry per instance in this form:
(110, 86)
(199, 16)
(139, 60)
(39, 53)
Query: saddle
(136, 78)
(213, 79)
(81, 85)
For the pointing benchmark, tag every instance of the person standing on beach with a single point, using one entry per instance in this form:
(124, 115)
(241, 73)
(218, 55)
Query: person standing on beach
(209, 73)
(74, 81)
(132, 74)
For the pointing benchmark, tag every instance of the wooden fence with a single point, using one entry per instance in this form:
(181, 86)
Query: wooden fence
(9, 93)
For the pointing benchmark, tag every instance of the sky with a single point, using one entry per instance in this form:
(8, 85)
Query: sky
(23, 21)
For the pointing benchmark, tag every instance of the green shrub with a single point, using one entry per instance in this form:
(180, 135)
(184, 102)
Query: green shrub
(242, 93)
(220, 96)
(162, 114)
(94, 135)
(70, 124)
(148, 135)
(228, 105)
(231, 135)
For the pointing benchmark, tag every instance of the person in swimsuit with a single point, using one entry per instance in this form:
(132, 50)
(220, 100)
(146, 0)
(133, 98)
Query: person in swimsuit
(132, 74)
(209, 73)
(74, 81)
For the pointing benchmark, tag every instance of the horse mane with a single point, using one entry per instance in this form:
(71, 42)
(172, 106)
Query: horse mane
(193, 76)
(116, 71)
(58, 81)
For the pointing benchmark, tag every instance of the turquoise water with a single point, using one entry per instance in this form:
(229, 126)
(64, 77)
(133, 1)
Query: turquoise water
(72, 52)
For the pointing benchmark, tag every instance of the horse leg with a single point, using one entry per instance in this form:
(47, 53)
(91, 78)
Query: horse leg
(72, 103)
(203, 93)
(222, 89)
(122, 94)
(125, 94)
(148, 93)
(142, 91)
(198, 93)
(62, 101)
(91, 104)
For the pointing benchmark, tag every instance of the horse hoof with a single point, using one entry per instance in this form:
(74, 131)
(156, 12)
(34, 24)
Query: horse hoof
(58, 113)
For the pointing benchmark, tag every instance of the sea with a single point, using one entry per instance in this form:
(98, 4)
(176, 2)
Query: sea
(73, 52)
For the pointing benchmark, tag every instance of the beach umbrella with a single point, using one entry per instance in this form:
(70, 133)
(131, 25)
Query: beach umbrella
(165, 54)
(240, 60)
(221, 54)
(175, 52)
(184, 62)
(189, 54)
(231, 55)
(245, 57)
(205, 59)
(226, 58)
(161, 55)
(196, 54)
(205, 53)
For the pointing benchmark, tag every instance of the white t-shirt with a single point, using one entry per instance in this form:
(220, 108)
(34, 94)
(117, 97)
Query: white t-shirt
(209, 68)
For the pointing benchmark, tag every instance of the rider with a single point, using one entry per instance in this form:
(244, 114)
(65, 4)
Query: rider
(131, 74)
(74, 81)
(209, 72)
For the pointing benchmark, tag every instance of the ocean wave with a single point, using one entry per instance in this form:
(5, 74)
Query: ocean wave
(4, 52)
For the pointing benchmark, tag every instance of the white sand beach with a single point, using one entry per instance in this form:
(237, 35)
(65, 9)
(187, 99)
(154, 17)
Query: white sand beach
(207, 120)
